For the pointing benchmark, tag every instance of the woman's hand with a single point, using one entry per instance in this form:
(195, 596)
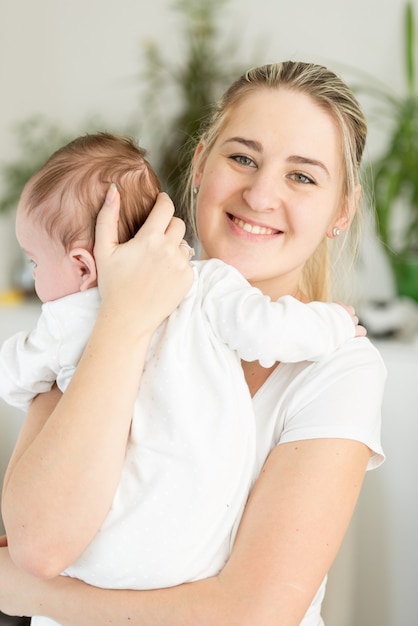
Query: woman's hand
(149, 273)
(13, 596)
(22, 594)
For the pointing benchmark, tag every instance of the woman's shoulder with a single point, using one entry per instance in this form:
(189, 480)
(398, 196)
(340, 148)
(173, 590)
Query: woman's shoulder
(355, 365)
(352, 378)
(359, 354)
(356, 358)
(339, 396)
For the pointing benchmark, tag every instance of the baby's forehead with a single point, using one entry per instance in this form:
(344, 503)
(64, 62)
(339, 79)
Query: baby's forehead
(40, 194)
(23, 206)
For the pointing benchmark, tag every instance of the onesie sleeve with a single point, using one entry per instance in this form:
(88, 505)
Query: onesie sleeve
(28, 364)
(260, 329)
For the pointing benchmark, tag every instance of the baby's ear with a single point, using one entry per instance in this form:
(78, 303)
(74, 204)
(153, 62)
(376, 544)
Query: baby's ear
(85, 267)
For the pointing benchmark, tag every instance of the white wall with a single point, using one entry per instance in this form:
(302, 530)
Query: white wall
(69, 59)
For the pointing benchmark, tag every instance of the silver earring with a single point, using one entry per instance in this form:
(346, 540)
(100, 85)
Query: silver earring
(195, 191)
(336, 232)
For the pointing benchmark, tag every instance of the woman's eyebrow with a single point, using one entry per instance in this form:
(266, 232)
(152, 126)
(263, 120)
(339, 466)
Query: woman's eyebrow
(295, 158)
(248, 143)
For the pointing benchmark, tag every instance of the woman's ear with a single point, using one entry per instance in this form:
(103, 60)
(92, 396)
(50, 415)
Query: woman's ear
(85, 268)
(346, 217)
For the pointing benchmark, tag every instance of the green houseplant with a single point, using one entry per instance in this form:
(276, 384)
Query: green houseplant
(197, 76)
(36, 139)
(395, 172)
(193, 81)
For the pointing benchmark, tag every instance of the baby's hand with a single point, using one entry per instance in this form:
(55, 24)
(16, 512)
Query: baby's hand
(360, 331)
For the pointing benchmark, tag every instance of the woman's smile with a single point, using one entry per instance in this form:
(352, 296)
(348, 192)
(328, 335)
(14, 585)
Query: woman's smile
(252, 228)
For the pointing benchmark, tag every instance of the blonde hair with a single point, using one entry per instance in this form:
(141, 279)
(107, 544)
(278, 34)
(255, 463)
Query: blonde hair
(329, 92)
(66, 194)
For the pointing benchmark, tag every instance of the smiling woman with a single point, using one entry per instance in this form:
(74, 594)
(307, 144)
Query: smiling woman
(282, 190)
(275, 178)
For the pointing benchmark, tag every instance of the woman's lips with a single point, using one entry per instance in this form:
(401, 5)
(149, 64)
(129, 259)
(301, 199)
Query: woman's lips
(253, 229)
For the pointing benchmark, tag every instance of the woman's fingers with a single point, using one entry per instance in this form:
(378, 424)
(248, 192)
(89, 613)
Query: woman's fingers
(150, 272)
(161, 214)
(107, 223)
(161, 223)
(189, 249)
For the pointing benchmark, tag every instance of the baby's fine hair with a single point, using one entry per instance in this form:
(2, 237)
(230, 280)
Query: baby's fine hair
(68, 191)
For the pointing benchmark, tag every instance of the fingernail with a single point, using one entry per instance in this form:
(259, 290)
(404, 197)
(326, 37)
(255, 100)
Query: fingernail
(111, 193)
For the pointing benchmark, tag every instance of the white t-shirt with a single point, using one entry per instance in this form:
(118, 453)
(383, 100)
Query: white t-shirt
(192, 453)
(340, 397)
(337, 397)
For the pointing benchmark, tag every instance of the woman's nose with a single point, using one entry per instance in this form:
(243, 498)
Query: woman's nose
(263, 193)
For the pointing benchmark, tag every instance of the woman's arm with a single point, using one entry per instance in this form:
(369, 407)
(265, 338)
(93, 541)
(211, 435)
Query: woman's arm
(63, 476)
(290, 533)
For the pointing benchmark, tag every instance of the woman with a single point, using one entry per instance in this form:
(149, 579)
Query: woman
(275, 175)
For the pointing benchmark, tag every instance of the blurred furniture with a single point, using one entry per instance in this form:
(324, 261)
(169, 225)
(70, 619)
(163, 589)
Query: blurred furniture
(373, 581)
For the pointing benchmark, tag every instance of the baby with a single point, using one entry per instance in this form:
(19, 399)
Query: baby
(190, 456)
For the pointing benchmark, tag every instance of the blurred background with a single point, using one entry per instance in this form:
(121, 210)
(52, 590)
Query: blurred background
(150, 69)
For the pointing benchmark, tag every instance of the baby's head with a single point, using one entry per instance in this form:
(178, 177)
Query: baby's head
(57, 212)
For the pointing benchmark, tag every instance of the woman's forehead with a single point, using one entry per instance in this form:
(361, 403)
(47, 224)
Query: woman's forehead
(283, 119)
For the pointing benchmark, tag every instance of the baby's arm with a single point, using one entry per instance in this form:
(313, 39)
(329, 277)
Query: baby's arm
(292, 331)
(267, 331)
(27, 366)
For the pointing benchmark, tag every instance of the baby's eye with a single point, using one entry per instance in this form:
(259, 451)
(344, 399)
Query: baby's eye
(243, 160)
(302, 178)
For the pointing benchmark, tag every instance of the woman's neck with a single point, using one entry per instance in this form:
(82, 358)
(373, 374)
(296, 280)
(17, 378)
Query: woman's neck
(255, 375)
(277, 289)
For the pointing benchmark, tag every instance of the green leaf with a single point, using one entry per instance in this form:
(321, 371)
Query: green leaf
(409, 47)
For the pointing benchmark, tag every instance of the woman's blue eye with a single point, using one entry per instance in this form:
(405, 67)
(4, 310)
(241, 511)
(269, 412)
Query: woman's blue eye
(302, 178)
(242, 159)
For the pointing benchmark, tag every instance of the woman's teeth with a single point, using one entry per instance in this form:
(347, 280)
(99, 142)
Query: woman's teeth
(252, 228)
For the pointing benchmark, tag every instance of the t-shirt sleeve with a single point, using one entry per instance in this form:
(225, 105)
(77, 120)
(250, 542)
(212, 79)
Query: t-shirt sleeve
(339, 397)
